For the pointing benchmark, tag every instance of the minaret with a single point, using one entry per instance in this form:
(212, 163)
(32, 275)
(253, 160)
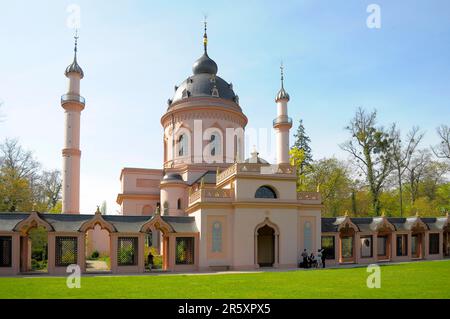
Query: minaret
(282, 123)
(72, 103)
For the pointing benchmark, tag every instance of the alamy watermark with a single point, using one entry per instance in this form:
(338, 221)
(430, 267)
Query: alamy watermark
(374, 279)
(373, 21)
(74, 278)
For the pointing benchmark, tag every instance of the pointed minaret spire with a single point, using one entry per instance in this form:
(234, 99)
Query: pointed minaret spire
(282, 123)
(282, 94)
(205, 36)
(74, 67)
(76, 45)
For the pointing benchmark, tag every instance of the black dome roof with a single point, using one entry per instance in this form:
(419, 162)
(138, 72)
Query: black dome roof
(172, 177)
(204, 64)
(203, 85)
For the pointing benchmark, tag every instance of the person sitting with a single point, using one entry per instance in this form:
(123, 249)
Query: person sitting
(304, 263)
(312, 261)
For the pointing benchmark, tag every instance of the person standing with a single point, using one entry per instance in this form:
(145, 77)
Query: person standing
(323, 257)
(150, 261)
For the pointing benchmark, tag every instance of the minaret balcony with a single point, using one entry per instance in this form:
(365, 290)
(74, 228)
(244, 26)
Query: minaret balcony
(72, 98)
(282, 120)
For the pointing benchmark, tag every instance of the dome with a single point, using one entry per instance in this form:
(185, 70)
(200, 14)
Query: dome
(204, 65)
(204, 82)
(282, 95)
(255, 159)
(173, 177)
(205, 85)
(74, 68)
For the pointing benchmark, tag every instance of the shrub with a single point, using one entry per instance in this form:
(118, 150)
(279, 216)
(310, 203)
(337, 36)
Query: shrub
(95, 254)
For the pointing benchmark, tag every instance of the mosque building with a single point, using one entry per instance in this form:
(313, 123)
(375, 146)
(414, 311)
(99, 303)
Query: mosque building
(208, 208)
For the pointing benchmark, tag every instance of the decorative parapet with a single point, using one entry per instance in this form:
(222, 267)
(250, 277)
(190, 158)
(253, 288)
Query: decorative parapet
(309, 196)
(66, 98)
(255, 169)
(211, 195)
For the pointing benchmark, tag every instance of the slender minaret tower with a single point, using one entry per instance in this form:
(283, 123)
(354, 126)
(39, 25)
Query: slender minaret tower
(72, 103)
(282, 123)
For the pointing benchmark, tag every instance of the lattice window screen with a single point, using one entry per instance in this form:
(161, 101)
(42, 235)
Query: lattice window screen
(127, 251)
(5, 251)
(66, 251)
(185, 250)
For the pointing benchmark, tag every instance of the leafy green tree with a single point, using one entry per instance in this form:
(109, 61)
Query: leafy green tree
(23, 187)
(371, 148)
(297, 159)
(331, 178)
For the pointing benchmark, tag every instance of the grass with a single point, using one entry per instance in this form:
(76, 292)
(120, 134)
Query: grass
(408, 280)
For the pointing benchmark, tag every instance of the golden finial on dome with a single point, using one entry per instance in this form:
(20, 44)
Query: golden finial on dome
(205, 36)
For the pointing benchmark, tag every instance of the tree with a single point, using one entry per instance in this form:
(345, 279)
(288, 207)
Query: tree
(297, 158)
(23, 186)
(48, 190)
(302, 142)
(434, 176)
(103, 208)
(415, 172)
(331, 178)
(443, 149)
(402, 153)
(372, 149)
(18, 161)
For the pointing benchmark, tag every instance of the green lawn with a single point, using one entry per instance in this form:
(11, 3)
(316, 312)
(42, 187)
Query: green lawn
(409, 280)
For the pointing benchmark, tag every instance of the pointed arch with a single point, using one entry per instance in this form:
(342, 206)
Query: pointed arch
(382, 224)
(346, 223)
(34, 220)
(156, 222)
(416, 224)
(97, 220)
(266, 252)
(267, 222)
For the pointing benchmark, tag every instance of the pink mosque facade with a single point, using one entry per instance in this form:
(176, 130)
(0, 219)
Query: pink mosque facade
(207, 207)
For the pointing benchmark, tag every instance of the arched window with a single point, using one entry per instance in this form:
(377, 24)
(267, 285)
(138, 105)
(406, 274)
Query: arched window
(307, 236)
(179, 203)
(265, 192)
(217, 237)
(166, 208)
(180, 145)
(215, 144)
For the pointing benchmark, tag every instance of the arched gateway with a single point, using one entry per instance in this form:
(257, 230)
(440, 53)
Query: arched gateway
(266, 244)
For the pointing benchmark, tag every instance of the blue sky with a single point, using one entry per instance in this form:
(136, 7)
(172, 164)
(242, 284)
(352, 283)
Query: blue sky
(134, 52)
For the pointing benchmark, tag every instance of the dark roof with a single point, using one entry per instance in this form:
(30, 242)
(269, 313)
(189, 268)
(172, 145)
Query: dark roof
(328, 225)
(72, 223)
(209, 177)
(66, 222)
(172, 177)
(9, 220)
(201, 85)
(181, 224)
(331, 224)
(204, 64)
